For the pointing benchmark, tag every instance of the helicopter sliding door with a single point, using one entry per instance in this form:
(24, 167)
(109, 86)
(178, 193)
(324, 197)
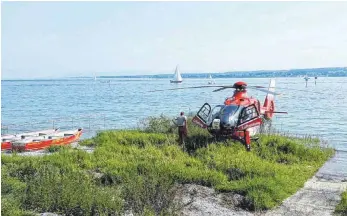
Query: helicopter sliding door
(249, 120)
(202, 117)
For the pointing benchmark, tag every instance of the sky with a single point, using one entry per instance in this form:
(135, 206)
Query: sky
(62, 39)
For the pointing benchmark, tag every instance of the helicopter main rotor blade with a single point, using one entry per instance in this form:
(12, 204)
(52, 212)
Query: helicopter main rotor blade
(192, 87)
(259, 88)
(220, 89)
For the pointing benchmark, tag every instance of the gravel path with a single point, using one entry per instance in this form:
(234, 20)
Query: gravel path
(321, 193)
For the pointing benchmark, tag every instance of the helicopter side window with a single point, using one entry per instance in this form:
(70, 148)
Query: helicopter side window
(216, 111)
(248, 114)
(204, 112)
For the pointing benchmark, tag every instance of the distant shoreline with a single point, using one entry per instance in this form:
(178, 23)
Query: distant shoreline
(311, 72)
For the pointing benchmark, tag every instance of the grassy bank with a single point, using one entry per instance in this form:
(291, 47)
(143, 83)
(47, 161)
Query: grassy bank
(138, 170)
(341, 208)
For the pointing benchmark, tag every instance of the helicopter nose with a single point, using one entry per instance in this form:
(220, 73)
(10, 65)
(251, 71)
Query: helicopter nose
(225, 122)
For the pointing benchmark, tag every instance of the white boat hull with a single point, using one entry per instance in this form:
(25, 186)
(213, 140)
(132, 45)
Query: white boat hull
(174, 81)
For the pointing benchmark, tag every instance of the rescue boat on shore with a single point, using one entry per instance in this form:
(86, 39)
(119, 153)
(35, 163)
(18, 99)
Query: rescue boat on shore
(6, 140)
(39, 140)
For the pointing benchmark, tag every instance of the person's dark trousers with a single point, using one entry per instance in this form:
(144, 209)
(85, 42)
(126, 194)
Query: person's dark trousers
(181, 134)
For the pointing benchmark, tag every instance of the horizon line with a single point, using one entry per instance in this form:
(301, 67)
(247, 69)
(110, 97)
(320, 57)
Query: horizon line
(134, 75)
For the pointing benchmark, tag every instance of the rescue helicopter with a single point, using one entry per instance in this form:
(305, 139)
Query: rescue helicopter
(240, 116)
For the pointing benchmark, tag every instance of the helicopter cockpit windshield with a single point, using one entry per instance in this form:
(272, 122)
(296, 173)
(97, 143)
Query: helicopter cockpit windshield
(229, 115)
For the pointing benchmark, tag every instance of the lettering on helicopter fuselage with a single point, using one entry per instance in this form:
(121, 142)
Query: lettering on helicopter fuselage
(248, 125)
(198, 122)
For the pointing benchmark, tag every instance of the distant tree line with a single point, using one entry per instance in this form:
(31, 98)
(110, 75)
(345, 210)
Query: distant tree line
(311, 72)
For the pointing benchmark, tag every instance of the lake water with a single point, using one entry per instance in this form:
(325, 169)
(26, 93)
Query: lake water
(31, 105)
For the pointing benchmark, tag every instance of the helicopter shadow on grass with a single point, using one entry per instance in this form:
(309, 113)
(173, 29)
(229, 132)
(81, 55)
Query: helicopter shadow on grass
(195, 142)
(202, 139)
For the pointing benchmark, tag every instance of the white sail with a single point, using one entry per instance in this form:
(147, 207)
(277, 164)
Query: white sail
(211, 81)
(177, 75)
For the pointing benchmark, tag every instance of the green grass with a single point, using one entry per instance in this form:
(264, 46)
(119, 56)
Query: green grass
(341, 208)
(137, 170)
(55, 148)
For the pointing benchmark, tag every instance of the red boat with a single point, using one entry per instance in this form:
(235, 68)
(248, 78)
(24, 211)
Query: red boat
(6, 145)
(44, 140)
(6, 140)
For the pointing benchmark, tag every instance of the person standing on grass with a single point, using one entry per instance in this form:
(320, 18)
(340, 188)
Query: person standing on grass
(181, 122)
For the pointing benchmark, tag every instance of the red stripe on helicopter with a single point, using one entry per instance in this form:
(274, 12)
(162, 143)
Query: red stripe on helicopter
(196, 120)
(252, 123)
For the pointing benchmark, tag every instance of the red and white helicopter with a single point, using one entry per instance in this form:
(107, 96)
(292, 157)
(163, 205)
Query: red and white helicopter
(241, 116)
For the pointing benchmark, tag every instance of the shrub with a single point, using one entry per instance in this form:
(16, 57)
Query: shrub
(69, 192)
(11, 207)
(131, 137)
(150, 193)
(55, 148)
(161, 124)
(341, 208)
(87, 142)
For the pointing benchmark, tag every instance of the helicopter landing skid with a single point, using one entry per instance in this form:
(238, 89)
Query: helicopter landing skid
(241, 136)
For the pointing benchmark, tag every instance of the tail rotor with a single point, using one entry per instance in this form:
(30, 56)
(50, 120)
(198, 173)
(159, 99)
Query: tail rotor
(269, 103)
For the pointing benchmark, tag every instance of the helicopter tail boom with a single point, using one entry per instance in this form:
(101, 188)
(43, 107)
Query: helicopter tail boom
(269, 103)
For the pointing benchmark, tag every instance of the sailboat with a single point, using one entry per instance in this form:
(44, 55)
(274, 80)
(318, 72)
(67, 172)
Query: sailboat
(211, 81)
(306, 77)
(177, 76)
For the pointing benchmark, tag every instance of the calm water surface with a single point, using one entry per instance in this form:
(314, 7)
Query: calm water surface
(39, 104)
